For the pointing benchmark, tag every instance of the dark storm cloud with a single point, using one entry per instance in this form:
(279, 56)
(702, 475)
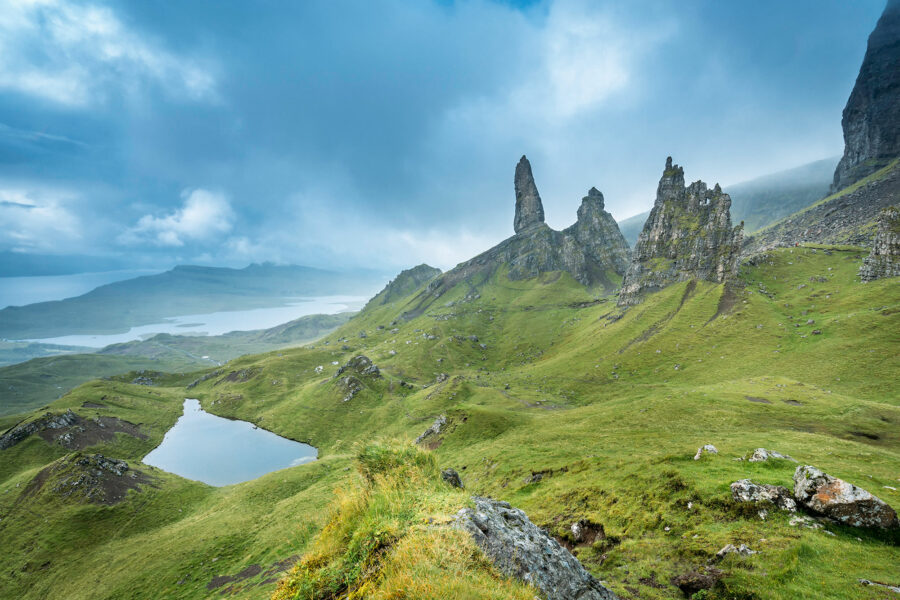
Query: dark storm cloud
(386, 132)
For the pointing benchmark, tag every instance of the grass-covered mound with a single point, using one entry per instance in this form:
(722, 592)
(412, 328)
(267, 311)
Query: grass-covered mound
(387, 537)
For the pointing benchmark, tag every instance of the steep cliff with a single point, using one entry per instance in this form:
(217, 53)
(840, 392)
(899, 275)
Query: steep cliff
(871, 119)
(884, 261)
(688, 235)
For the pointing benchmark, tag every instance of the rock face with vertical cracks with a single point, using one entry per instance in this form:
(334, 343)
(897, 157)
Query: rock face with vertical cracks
(688, 235)
(519, 549)
(884, 260)
(871, 119)
(529, 208)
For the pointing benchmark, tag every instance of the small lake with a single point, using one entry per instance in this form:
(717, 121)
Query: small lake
(219, 451)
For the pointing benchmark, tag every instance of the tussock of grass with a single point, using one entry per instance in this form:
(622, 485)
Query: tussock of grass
(386, 537)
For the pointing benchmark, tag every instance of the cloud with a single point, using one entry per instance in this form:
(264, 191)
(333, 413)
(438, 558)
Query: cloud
(78, 54)
(203, 216)
(37, 221)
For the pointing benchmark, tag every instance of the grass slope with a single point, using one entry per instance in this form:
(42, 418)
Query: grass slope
(607, 407)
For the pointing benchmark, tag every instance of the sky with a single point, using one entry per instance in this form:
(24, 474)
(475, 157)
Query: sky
(385, 134)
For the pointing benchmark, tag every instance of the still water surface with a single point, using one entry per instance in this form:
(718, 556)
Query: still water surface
(219, 451)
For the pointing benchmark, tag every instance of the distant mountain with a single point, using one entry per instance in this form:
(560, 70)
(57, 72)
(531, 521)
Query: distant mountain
(632, 226)
(118, 306)
(28, 385)
(764, 200)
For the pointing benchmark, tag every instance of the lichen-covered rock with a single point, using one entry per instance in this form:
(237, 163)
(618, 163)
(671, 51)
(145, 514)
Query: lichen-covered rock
(884, 260)
(688, 235)
(747, 491)
(529, 208)
(520, 549)
(841, 501)
(350, 387)
(871, 119)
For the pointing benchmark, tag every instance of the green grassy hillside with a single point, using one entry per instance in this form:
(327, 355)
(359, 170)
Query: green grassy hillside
(561, 404)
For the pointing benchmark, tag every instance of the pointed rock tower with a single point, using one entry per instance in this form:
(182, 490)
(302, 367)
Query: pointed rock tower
(871, 119)
(529, 210)
(688, 235)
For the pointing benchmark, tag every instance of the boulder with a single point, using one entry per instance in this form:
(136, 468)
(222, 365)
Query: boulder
(451, 477)
(519, 549)
(434, 430)
(747, 491)
(841, 501)
(762, 455)
(360, 365)
(707, 448)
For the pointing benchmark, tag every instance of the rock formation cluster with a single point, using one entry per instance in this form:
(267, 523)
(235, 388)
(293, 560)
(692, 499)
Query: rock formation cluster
(688, 235)
(871, 119)
(592, 250)
(884, 260)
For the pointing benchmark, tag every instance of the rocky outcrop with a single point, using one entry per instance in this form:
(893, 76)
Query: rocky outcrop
(519, 549)
(48, 421)
(434, 430)
(841, 501)
(871, 119)
(87, 478)
(599, 234)
(688, 235)
(747, 491)
(529, 208)
(404, 284)
(360, 365)
(451, 477)
(592, 250)
(884, 261)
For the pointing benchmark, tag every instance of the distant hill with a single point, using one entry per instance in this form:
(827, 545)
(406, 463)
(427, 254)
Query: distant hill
(764, 200)
(118, 306)
(29, 385)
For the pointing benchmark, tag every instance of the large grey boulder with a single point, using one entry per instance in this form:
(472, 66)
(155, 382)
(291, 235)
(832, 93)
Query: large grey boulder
(747, 491)
(841, 501)
(520, 549)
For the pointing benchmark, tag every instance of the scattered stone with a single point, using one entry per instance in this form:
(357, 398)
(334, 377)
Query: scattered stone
(707, 448)
(816, 332)
(762, 455)
(747, 491)
(517, 548)
(841, 501)
(362, 335)
(451, 477)
(434, 430)
(441, 378)
(742, 550)
(392, 353)
(887, 586)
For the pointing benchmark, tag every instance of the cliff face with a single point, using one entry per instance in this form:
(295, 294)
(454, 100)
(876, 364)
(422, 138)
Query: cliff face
(592, 250)
(408, 281)
(884, 261)
(871, 119)
(688, 235)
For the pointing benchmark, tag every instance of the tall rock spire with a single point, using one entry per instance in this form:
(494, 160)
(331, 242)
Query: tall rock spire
(871, 119)
(529, 210)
